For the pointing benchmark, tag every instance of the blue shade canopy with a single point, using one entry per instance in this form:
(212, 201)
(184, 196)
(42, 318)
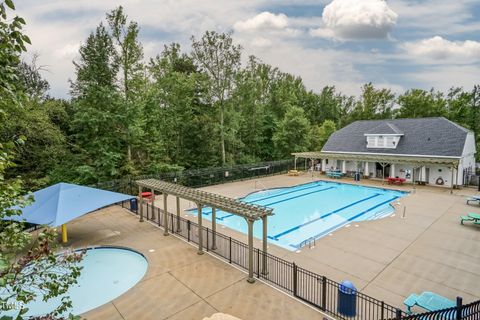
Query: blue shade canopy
(63, 202)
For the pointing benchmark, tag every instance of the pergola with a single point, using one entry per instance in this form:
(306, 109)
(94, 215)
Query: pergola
(250, 212)
(383, 159)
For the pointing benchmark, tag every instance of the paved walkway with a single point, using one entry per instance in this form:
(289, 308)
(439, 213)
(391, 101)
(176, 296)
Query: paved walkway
(390, 258)
(179, 284)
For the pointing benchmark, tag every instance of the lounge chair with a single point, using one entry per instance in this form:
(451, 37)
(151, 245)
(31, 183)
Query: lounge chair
(474, 199)
(474, 217)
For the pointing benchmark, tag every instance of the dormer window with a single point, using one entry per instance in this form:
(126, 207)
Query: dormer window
(384, 136)
(380, 141)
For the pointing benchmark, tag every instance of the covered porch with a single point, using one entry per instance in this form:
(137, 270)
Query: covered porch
(415, 169)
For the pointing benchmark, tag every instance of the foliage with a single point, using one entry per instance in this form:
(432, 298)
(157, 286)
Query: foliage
(320, 134)
(29, 266)
(292, 134)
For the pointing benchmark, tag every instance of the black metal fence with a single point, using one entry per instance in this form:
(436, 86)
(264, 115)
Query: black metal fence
(460, 312)
(196, 178)
(312, 288)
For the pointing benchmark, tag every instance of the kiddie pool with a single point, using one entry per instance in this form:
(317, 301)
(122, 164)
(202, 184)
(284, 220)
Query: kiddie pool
(107, 273)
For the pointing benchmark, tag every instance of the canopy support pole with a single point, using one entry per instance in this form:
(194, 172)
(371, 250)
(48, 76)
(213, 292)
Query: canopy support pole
(141, 202)
(64, 233)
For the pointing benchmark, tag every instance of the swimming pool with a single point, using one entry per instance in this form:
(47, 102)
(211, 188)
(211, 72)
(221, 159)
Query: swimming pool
(311, 210)
(107, 273)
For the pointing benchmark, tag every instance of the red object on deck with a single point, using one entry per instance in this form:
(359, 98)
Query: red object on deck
(392, 180)
(146, 195)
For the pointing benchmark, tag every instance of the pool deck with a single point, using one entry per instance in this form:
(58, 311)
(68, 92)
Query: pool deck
(390, 258)
(179, 283)
(426, 250)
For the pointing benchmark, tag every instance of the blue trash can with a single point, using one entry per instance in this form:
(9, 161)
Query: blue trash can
(347, 299)
(133, 205)
(357, 176)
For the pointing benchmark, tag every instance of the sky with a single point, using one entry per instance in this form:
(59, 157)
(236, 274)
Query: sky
(396, 44)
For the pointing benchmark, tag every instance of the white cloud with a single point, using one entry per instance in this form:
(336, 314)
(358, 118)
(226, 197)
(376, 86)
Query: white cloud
(355, 19)
(439, 48)
(261, 42)
(264, 20)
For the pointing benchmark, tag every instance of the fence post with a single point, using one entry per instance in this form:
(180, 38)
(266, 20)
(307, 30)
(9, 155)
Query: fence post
(188, 230)
(382, 315)
(258, 263)
(295, 280)
(459, 308)
(230, 256)
(171, 218)
(324, 293)
(398, 314)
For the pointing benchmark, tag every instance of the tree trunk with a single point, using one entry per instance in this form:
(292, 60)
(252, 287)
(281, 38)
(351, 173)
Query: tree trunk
(222, 134)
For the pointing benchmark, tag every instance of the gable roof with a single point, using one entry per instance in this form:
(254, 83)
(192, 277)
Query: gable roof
(422, 136)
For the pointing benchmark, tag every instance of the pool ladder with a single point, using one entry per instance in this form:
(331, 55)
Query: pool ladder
(310, 241)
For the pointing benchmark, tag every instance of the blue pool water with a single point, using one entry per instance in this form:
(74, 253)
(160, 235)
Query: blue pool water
(106, 274)
(311, 210)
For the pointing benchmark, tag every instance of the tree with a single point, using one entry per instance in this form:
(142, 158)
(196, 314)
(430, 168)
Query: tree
(29, 264)
(373, 104)
(217, 56)
(292, 134)
(129, 56)
(97, 122)
(320, 134)
(417, 103)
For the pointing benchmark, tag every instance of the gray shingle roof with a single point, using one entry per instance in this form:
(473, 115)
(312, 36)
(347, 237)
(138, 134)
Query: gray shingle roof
(385, 127)
(422, 136)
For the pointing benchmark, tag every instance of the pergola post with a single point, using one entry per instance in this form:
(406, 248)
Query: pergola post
(140, 202)
(214, 228)
(265, 245)
(250, 278)
(165, 215)
(451, 181)
(295, 164)
(153, 202)
(178, 214)
(200, 229)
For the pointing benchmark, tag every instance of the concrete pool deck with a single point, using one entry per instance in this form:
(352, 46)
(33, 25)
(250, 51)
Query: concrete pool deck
(179, 283)
(390, 258)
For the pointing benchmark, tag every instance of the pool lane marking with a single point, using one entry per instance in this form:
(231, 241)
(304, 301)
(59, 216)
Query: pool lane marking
(277, 236)
(321, 234)
(283, 200)
(317, 184)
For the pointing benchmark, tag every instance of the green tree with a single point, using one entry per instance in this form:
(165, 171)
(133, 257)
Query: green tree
(292, 134)
(97, 121)
(373, 104)
(417, 103)
(129, 58)
(29, 265)
(217, 56)
(320, 134)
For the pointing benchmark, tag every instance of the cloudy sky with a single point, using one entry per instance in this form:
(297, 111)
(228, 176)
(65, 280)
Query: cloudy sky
(398, 44)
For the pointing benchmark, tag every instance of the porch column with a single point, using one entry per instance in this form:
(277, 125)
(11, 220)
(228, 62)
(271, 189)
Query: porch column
(424, 174)
(324, 165)
(295, 164)
(140, 202)
(178, 214)
(366, 173)
(250, 278)
(451, 181)
(214, 228)
(264, 239)
(344, 166)
(200, 229)
(165, 215)
(392, 170)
